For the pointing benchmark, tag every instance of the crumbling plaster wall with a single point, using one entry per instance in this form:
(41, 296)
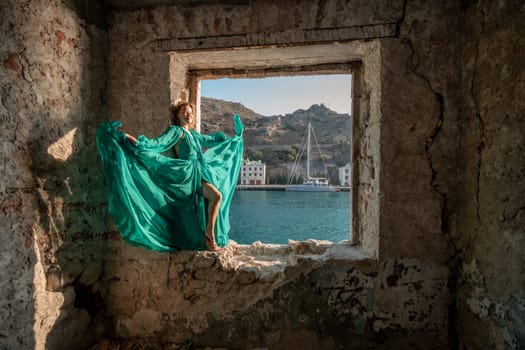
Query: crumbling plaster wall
(52, 206)
(451, 211)
(199, 298)
(414, 123)
(420, 133)
(491, 288)
(310, 295)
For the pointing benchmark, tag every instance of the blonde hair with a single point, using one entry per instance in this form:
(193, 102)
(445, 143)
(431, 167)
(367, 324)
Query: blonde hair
(175, 110)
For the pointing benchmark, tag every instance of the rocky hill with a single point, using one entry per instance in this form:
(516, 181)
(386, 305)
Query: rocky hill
(289, 129)
(276, 140)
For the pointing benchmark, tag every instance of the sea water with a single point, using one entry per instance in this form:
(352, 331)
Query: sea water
(277, 216)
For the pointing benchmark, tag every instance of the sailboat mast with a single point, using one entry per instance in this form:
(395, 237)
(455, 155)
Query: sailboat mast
(308, 154)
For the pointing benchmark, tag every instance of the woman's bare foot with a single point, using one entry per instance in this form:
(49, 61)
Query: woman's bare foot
(211, 245)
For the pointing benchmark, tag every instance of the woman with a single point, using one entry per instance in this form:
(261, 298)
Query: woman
(171, 203)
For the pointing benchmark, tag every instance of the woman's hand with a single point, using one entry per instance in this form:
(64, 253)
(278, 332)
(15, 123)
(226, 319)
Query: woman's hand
(131, 139)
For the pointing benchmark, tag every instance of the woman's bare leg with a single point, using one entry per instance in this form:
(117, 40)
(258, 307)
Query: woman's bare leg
(214, 198)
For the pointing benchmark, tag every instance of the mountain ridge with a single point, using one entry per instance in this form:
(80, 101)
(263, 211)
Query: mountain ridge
(277, 140)
(330, 126)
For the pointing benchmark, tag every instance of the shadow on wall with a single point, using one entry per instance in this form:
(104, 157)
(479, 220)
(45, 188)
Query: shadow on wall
(52, 205)
(71, 234)
(71, 224)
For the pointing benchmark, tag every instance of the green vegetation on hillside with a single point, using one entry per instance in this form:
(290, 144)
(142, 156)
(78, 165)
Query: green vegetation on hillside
(276, 140)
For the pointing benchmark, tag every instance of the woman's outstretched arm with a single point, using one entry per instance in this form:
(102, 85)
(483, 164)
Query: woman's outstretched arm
(159, 144)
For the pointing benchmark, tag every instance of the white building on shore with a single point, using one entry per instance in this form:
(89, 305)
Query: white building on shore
(345, 175)
(252, 173)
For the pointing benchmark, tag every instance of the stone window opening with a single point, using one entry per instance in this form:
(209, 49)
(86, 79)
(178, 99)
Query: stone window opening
(360, 59)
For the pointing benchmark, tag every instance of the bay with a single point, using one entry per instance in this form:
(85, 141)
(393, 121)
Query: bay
(277, 216)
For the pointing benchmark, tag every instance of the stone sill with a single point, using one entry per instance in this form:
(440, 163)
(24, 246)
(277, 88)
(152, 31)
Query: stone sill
(266, 261)
(247, 264)
(310, 249)
(313, 249)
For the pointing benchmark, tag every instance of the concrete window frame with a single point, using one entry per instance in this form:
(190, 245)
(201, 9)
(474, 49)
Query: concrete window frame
(361, 59)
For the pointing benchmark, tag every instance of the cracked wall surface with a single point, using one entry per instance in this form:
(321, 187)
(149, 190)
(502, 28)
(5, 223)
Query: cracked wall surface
(491, 299)
(422, 126)
(445, 165)
(311, 293)
(409, 165)
(52, 97)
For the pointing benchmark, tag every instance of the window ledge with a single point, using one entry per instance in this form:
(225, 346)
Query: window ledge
(270, 259)
(343, 250)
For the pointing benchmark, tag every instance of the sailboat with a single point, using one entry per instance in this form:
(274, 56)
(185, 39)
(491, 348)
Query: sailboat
(311, 184)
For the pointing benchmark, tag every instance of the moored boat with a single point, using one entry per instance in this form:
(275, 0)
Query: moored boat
(311, 184)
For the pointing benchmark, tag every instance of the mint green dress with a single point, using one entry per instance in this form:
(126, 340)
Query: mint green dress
(155, 199)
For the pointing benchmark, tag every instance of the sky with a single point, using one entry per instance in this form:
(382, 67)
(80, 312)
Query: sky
(282, 95)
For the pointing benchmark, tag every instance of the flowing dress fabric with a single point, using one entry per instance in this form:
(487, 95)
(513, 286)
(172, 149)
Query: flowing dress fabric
(156, 200)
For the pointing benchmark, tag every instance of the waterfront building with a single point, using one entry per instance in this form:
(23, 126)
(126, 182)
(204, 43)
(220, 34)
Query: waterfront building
(345, 175)
(253, 173)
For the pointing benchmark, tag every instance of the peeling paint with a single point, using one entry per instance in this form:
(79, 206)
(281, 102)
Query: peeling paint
(440, 183)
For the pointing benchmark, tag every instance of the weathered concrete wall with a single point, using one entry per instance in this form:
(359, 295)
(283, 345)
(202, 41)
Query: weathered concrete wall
(447, 170)
(491, 288)
(420, 133)
(139, 76)
(309, 294)
(52, 209)
(413, 165)
(420, 128)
